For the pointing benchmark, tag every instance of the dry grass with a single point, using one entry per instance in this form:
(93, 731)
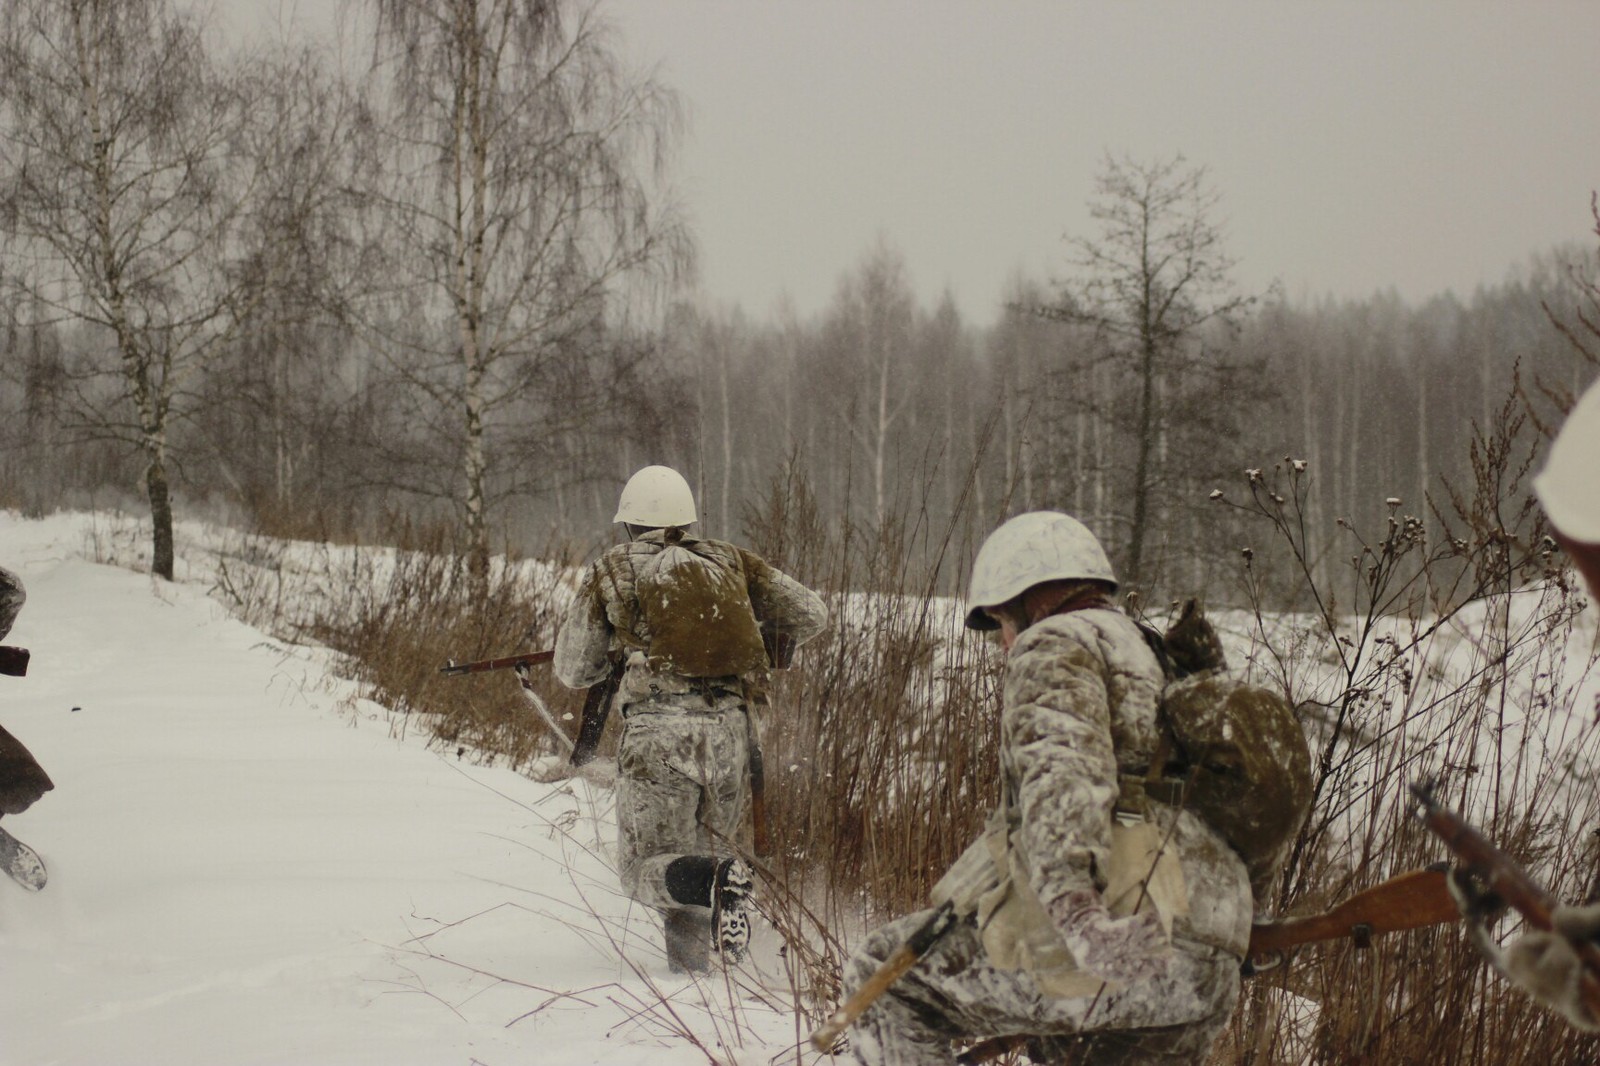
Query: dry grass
(1440, 651)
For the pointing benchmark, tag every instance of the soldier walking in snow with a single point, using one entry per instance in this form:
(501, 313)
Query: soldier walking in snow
(686, 618)
(1094, 915)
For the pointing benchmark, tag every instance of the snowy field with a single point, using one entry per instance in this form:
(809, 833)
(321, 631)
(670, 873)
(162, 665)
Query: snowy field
(249, 864)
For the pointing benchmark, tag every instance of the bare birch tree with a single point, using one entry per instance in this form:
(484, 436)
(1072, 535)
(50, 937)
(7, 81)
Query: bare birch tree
(874, 318)
(523, 189)
(123, 192)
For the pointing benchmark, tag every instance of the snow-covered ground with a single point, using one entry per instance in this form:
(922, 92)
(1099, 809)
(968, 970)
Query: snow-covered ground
(249, 864)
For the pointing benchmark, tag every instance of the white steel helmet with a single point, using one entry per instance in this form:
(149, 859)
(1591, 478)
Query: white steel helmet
(1568, 486)
(656, 496)
(1029, 549)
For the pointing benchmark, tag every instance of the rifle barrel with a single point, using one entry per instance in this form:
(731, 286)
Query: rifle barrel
(1478, 855)
(509, 662)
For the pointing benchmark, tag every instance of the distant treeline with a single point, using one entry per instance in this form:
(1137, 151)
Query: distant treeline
(943, 424)
(446, 292)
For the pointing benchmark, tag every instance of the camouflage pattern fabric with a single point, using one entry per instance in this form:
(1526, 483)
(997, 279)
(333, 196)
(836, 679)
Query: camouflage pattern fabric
(684, 755)
(604, 619)
(22, 779)
(955, 994)
(1081, 703)
(1081, 694)
(680, 779)
(12, 597)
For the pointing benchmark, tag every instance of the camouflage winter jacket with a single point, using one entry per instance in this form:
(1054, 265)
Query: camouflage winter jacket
(1081, 695)
(12, 598)
(604, 621)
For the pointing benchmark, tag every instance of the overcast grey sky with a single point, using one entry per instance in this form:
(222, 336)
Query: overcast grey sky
(1356, 145)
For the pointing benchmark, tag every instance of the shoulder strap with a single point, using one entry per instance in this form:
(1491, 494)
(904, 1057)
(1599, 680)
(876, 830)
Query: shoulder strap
(1158, 645)
(627, 605)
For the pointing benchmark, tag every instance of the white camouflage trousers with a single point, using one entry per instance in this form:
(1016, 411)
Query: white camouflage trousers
(953, 993)
(680, 780)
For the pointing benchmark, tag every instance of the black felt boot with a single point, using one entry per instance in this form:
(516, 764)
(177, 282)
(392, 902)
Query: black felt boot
(688, 941)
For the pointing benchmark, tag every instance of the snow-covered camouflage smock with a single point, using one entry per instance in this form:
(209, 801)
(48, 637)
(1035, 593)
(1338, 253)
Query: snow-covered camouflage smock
(1081, 694)
(684, 754)
(12, 598)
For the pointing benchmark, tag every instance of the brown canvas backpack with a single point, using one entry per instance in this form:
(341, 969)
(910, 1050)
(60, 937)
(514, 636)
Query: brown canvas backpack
(694, 601)
(1243, 758)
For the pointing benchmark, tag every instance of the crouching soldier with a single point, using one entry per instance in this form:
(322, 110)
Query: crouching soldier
(686, 618)
(1110, 926)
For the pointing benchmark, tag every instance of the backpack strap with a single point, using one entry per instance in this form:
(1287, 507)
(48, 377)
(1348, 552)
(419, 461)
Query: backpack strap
(1158, 645)
(1155, 783)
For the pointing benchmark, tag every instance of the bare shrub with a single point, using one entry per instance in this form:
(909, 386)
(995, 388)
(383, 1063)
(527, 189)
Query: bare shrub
(1447, 649)
(1455, 661)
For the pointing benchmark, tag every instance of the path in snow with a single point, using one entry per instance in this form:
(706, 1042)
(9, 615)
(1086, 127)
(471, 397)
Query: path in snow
(249, 866)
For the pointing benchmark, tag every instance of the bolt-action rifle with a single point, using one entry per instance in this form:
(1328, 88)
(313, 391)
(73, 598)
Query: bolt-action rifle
(596, 703)
(1479, 860)
(893, 968)
(509, 662)
(1409, 900)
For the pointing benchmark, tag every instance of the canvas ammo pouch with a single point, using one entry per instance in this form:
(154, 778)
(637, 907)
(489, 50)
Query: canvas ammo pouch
(990, 882)
(694, 603)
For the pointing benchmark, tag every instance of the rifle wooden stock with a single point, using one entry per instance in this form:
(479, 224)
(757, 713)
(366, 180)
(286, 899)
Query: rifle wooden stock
(13, 661)
(1478, 857)
(758, 794)
(596, 703)
(596, 709)
(893, 968)
(509, 662)
(1410, 900)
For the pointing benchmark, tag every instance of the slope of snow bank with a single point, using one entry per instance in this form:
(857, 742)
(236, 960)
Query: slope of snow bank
(250, 865)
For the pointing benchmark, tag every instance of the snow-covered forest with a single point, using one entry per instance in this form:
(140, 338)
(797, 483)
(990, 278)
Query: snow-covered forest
(249, 284)
(314, 375)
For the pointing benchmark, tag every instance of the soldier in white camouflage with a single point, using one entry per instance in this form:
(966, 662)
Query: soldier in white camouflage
(12, 597)
(686, 617)
(1097, 920)
(1544, 963)
(1570, 492)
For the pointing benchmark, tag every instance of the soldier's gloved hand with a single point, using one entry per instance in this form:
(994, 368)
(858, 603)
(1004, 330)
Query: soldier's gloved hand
(1578, 923)
(1128, 949)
